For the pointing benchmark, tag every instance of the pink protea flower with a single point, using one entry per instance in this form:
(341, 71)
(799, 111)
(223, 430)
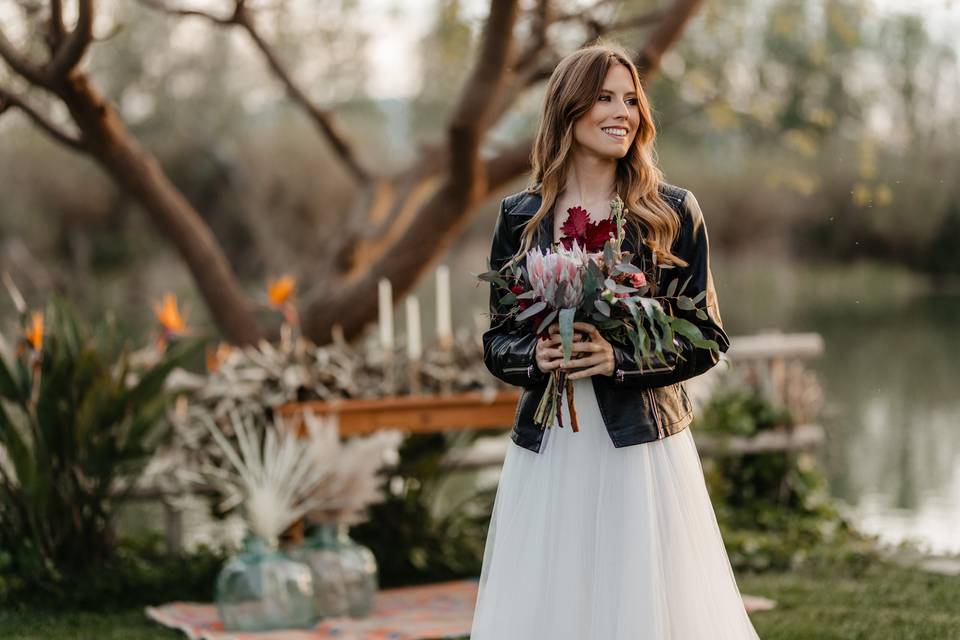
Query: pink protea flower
(556, 275)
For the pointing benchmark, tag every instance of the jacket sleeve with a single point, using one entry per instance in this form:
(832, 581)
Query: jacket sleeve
(693, 246)
(508, 352)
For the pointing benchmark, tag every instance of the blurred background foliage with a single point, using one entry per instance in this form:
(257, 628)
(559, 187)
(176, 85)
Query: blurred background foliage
(827, 130)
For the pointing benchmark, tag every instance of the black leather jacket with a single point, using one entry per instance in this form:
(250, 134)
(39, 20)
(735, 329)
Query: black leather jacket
(636, 406)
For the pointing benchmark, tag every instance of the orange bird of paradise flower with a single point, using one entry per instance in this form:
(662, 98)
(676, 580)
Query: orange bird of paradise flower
(280, 290)
(215, 357)
(169, 316)
(34, 333)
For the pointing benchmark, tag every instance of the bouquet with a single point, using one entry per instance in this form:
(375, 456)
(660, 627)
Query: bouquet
(588, 277)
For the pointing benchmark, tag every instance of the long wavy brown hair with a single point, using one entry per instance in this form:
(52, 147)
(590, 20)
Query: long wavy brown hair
(572, 91)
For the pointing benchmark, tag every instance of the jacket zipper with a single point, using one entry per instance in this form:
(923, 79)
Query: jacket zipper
(528, 369)
(656, 413)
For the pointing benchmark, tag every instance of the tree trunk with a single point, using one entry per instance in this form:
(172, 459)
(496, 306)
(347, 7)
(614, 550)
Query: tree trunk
(139, 173)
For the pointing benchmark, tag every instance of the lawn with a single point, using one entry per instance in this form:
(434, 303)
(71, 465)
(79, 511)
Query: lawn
(879, 601)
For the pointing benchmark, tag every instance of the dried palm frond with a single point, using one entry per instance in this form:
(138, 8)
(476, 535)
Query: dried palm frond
(351, 481)
(273, 482)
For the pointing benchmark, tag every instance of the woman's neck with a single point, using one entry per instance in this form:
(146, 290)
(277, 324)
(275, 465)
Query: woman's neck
(591, 178)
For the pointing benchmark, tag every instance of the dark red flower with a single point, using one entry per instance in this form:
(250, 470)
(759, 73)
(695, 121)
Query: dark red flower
(575, 226)
(598, 233)
(517, 289)
(589, 235)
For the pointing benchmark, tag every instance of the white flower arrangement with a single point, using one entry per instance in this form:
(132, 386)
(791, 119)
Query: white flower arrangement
(281, 477)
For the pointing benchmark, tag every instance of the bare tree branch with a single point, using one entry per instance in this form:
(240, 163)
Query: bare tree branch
(9, 100)
(188, 13)
(55, 29)
(31, 72)
(541, 19)
(322, 119)
(474, 111)
(74, 45)
(665, 35)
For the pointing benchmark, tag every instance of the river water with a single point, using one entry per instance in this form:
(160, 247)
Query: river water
(891, 378)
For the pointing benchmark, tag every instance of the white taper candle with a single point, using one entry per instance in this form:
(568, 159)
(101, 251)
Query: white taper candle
(444, 324)
(414, 348)
(385, 309)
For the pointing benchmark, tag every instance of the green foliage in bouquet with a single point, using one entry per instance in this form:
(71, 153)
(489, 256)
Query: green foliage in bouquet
(588, 277)
(79, 418)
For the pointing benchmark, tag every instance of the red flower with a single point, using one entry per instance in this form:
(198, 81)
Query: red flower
(588, 234)
(517, 289)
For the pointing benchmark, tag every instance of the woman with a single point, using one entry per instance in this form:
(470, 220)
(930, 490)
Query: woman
(606, 533)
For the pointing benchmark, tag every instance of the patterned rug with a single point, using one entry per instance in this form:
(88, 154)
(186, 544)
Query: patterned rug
(442, 610)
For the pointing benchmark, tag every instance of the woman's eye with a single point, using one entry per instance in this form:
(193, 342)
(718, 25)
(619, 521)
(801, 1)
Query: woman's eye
(606, 98)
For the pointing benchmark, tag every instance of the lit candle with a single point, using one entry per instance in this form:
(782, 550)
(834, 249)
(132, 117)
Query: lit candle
(385, 309)
(444, 332)
(414, 349)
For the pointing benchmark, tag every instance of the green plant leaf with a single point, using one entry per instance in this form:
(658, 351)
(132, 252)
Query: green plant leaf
(531, 311)
(566, 332)
(550, 317)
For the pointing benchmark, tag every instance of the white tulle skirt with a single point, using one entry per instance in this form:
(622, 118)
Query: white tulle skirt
(591, 542)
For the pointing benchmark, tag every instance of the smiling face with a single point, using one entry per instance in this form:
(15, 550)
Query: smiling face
(607, 130)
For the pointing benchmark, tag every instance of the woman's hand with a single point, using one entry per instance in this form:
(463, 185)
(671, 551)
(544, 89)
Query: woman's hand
(549, 351)
(592, 354)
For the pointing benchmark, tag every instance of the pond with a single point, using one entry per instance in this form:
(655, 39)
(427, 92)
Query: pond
(891, 378)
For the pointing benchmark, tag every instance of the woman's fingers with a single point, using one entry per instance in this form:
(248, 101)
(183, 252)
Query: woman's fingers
(583, 373)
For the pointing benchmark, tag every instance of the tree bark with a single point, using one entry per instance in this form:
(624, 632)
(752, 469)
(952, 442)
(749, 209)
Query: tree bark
(139, 173)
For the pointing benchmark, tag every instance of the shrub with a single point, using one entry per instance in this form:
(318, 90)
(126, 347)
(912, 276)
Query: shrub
(79, 417)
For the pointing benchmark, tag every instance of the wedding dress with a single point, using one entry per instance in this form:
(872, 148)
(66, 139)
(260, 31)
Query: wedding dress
(591, 542)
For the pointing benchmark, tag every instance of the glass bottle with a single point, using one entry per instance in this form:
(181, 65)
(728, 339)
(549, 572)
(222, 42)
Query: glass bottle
(344, 572)
(262, 589)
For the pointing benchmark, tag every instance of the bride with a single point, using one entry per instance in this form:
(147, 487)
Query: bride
(605, 533)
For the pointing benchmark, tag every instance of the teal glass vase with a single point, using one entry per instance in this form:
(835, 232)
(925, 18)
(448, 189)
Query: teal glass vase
(263, 589)
(344, 572)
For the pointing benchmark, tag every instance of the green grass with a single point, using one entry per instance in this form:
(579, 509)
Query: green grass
(879, 601)
(35, 624)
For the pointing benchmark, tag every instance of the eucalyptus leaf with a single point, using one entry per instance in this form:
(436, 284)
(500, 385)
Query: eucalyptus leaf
(672, 288)
(550, 317)
(687, 329)
(603, 307)
(566, 332)
(609, 256)
(532, 310)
